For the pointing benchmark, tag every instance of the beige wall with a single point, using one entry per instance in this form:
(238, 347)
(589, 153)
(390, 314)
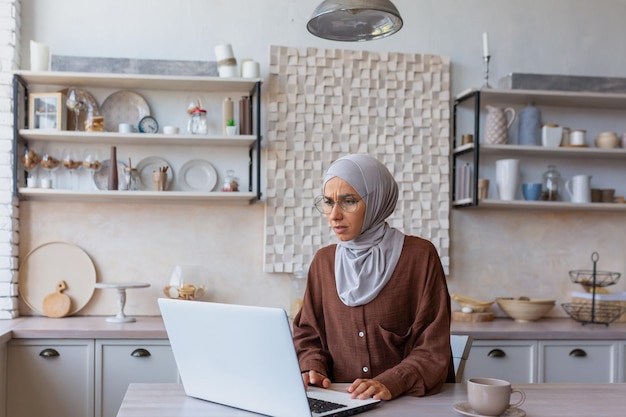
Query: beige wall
(492, 253)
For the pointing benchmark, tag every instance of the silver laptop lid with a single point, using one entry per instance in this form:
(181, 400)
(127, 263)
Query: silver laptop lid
(240, 356)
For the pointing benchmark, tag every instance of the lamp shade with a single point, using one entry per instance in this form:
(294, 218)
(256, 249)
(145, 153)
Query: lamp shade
(355, 20)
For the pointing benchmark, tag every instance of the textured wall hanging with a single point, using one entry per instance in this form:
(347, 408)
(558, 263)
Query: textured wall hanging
(326, 103)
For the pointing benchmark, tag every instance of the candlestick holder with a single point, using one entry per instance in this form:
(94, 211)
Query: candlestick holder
(486, 59)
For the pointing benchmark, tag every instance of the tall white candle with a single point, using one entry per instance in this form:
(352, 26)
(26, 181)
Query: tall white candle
(485, 45)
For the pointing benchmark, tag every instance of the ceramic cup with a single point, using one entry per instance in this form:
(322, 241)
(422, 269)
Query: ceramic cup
(507, 178)
(577, 138)
(483, 188)
(608, 195)
(579, 188)
(159, 181)
(171, 130)
(125, 128)
(531, 191)
(250, 69)
(492, 397)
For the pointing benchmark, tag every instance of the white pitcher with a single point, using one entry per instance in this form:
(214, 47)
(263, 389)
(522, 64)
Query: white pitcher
(579, 188)
(497, 124)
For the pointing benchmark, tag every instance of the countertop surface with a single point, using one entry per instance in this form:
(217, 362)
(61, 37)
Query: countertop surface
(151, 327)
(545, 400)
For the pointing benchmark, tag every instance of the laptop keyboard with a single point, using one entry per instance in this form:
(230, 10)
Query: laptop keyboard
(321, 406)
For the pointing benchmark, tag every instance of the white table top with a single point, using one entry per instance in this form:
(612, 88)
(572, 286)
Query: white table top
(542, 400)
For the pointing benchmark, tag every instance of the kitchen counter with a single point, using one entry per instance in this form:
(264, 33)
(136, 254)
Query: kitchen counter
(82, 327)
(151, 327)
(546, 329)
(547, 400)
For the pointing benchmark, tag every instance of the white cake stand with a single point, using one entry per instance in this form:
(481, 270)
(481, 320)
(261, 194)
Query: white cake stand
(121, 298)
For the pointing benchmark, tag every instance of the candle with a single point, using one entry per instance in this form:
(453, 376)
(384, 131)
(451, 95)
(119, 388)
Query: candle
(485, 45)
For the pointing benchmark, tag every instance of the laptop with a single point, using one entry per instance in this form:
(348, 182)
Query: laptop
(244, 357)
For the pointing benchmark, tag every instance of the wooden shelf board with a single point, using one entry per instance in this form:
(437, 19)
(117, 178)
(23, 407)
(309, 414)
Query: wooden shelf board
(111, 196)
(139, 81)
(136, 138)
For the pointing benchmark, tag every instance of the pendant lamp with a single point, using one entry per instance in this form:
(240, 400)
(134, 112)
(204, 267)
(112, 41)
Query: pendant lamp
(355, 20)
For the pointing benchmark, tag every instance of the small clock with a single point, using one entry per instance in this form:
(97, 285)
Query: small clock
(148, 124)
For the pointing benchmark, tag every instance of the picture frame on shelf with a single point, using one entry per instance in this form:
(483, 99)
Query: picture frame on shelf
(46, 111)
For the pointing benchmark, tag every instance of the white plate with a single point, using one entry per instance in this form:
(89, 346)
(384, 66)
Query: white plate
(197, 175)
(467, 410)
(50, 263)
(145, 168)
(123, 107)
(101, 177)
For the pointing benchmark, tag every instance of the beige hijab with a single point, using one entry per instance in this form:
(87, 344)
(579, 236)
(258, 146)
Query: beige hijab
(364, 265)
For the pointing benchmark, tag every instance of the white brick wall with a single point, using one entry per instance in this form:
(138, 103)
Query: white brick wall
(9, 225)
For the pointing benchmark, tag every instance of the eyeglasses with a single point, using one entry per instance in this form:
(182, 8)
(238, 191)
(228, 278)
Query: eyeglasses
(348, 204)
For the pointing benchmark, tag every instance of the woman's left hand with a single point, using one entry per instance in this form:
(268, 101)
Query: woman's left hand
(369, 388)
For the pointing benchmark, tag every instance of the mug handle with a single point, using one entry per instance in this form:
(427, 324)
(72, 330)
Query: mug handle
(512, 118)
(521, 400)
(568, 187)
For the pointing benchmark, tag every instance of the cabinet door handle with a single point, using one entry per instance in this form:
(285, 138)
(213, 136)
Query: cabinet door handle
(49, 353)
(578, 353)
(496, 353)
(140, 353)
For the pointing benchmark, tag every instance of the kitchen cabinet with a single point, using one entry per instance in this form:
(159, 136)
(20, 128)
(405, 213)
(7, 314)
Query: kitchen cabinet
(513, 360)
(547, 361)
(50, 377)
(169, 97)
(121, 362)
(81, 377)
(594, 112)
(578, 361)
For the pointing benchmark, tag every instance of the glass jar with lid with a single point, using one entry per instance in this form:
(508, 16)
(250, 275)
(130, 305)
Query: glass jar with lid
(231, 183)
(132, 178)
(198, 124)
(551, 183)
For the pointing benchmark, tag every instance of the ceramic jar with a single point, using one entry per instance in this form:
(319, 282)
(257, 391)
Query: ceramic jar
(607, 140)
(529, 126)
(551, 135)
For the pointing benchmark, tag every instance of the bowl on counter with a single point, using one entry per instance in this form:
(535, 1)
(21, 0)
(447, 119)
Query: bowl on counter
(477, 306)
(525, 309)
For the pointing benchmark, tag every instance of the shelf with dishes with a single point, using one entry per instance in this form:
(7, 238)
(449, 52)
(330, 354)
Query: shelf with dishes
(120, 113)
(485, 135)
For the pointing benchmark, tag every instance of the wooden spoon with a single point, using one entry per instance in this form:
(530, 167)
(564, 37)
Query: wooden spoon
(57, 304)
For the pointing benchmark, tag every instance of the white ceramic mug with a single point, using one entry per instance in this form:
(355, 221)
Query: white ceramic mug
(577, 138)
(125, 128)
(250, 69)
(579, 188)
(492, 397)
(507, 178)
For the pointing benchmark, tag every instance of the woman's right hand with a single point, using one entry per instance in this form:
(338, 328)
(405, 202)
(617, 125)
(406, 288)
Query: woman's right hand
(315, 378)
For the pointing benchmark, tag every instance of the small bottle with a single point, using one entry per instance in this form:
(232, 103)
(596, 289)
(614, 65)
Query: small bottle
(298, 286)
(551, 180)
(231, 183)
(198, 124)
(228, 111)
(132, 179)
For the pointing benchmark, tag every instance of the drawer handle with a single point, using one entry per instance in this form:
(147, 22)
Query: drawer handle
(496, 353)
(140, 353)
(49, 353)
(578, 353)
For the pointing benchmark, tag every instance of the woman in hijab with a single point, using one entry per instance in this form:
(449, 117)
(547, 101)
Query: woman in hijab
(376, 311)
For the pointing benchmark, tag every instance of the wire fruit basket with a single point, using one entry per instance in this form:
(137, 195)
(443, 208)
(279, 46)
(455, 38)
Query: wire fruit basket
(591, 280)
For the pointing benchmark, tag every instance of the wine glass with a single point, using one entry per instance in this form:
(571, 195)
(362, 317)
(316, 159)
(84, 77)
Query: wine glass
(75, 104)
(49, 162)
(92, 162)
(31, 160)
(71, 162)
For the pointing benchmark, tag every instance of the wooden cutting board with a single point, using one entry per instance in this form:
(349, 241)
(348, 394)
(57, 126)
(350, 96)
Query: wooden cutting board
(472, 317)
(57, 304)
